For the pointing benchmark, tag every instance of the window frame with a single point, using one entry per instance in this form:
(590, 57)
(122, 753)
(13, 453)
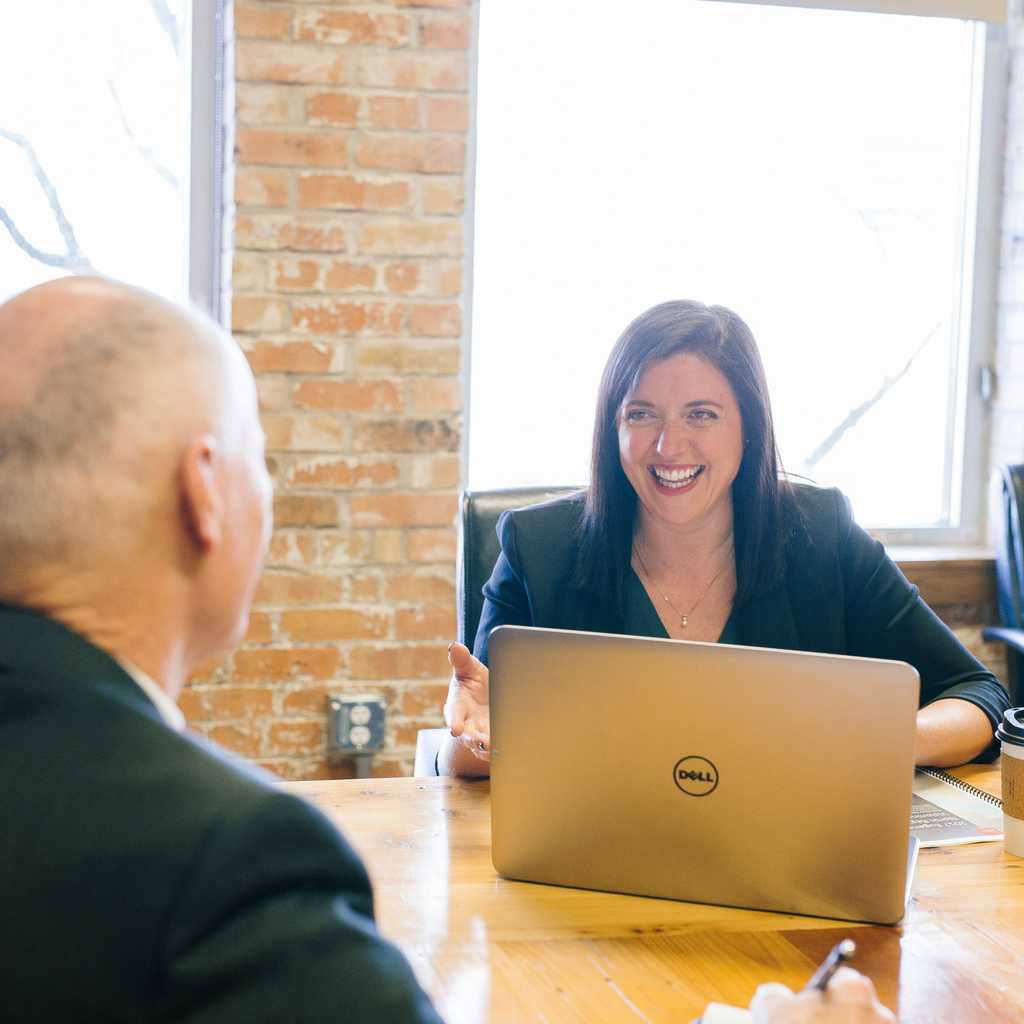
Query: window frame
(208, 34)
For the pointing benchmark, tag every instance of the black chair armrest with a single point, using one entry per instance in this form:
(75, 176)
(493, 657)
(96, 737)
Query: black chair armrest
(1013, 638)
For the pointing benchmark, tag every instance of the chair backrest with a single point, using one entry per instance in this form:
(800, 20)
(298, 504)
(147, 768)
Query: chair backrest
(1010, 548)
(479, 548)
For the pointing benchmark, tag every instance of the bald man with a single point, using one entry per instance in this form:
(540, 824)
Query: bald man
(143, 876)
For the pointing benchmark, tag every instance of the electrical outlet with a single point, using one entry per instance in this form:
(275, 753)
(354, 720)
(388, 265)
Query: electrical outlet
(355, 724)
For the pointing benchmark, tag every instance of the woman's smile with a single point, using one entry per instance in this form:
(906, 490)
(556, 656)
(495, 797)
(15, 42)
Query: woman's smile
(674, 479)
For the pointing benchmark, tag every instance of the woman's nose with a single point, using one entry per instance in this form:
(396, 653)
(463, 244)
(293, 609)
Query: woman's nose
(673, 438)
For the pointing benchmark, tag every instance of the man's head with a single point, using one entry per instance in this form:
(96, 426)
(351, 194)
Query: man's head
(130, 453)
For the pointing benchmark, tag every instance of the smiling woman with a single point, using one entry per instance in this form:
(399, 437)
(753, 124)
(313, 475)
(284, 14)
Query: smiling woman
(689, 530)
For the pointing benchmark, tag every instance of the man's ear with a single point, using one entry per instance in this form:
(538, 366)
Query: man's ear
(201, 505)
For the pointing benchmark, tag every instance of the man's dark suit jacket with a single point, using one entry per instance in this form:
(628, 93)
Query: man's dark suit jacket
(841, 594)
(144, 877)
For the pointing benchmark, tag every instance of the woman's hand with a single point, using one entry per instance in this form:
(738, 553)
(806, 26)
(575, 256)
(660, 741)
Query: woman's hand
(467, 711)
(849, 999)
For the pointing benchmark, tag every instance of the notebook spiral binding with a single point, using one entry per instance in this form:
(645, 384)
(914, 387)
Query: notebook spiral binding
(952, 780)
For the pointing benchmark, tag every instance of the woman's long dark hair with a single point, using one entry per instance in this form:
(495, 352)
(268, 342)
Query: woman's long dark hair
(720, 337)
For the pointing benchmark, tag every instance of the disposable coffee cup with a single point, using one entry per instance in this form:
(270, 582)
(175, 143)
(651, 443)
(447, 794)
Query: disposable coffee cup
(1011, 735)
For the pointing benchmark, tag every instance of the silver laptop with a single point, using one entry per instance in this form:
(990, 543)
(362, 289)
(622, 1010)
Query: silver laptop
(767, 779)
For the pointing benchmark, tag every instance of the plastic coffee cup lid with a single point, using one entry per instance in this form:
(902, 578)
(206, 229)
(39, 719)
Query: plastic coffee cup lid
(1011, 728)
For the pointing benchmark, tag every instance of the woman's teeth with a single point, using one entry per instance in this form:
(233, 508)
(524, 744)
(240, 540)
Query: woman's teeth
(675, 478)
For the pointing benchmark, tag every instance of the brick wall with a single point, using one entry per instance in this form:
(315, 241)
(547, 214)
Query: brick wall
(349, 174)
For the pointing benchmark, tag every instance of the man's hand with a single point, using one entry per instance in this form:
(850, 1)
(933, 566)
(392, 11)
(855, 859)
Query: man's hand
(849, 999)
(467, 711)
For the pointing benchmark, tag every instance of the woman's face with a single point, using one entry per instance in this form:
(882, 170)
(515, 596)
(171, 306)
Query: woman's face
(681, 442)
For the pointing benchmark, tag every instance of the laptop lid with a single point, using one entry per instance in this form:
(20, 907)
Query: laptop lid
(773, 780)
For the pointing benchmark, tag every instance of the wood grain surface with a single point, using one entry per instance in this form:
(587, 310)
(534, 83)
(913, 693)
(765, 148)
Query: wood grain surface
(488, 949)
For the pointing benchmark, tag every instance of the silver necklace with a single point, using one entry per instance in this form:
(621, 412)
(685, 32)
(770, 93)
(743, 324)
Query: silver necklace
(684, 617)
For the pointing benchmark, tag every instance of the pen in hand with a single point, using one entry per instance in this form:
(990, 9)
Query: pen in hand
(838, 955)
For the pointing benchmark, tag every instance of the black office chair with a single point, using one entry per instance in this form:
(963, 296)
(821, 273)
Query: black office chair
(1010, 578)
(478, 551)
(478, 545)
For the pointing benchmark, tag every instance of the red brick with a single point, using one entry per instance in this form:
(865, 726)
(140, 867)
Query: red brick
(256, 313)
(428, 589)
(352, 28)
(295, 737)
(297, 588)
(431, 545)
(272, 664)
(333, 108)
(394, 113)
(345, 192)
(330, 317)
(261, 628)
(406, 662)
(425, 699)
(348, 395)
(435, 394)
(237, 702)
(248, 272)
(396, 357)
(301, 149)
(388, 546)
(190, 704)
(244, 741)
(312, 625)
(290, 62)
(305, 510)
(260, 188)
(319, 433)
(363, 588)
(445, 73)
(261, 22)
(425, 624)
(445, 32)
(355, 277)
(342, 472)
(308, 701)
(275, 231)
(411, 153)
(441, 321)
(290, 548)
(296, 275)
(436, 472)
(447, 113)
(434, 435)
(403, 509)
(412, 238)
(431, 3)
(347, 548)
(289, 357)
(210, 670)
(449, 279)
(261, 104)
(442, 197)
(402, 277)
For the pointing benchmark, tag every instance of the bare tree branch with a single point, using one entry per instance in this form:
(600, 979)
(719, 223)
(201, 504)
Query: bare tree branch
(168, 22)
(74, 258)
(146, 152)
(855, 415)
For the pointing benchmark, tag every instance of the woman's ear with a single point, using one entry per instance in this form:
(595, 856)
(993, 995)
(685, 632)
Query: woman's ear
(201, 504)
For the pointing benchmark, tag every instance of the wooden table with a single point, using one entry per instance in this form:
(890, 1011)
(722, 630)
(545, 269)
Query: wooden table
(488, 949)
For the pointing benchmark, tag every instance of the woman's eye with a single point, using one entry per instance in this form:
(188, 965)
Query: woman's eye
(703, 415)
(637, 415)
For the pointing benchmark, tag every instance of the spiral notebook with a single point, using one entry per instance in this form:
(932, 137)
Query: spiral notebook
(948, 811)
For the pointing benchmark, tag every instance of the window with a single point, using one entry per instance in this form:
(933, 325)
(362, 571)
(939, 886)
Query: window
(819, 172)
(97, 175)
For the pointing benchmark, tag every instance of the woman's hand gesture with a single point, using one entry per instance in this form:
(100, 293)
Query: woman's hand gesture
(467, 710)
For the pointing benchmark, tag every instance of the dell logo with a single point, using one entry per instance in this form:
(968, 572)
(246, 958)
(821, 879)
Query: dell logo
(695, 776)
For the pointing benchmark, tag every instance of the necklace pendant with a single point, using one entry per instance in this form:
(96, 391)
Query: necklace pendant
(683, 621)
